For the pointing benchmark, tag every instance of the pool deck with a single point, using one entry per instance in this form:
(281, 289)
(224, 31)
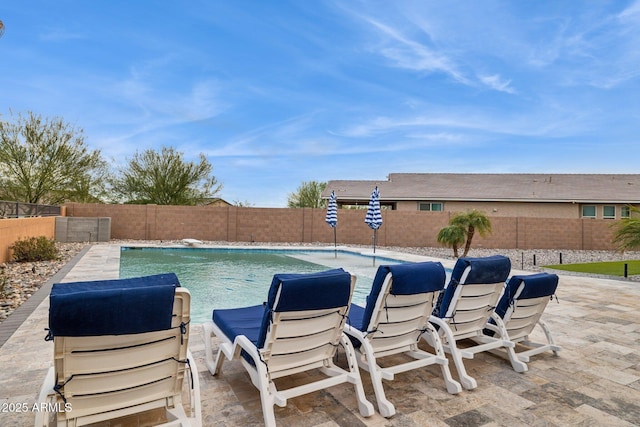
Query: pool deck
(594, 381)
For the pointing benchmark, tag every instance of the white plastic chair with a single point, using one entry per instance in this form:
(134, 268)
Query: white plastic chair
(395, 317)
(120, 349)
(465, 308)
(298, 329)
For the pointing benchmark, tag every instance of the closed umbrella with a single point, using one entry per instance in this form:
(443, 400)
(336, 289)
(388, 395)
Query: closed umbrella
(332, 218)
(374, 217)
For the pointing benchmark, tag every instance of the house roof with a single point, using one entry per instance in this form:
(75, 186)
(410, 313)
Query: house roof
(580, 188)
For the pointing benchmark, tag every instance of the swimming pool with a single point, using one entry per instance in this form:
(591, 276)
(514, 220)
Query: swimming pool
(228, 277)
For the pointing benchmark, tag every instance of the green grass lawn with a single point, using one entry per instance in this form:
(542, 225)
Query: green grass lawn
(610, 268)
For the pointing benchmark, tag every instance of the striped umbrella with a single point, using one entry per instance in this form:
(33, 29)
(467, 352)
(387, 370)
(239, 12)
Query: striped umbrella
(332, 217)
(374, 217)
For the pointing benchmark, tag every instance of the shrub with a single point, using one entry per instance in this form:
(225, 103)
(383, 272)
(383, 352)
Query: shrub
(34, 249)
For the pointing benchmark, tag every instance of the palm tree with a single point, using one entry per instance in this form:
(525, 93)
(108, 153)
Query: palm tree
(473, 221)
(452, 236)
(627, 234)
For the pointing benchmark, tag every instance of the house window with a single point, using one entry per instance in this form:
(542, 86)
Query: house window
(432, 207)
(588, 211)
(625, 212)
(609, 212)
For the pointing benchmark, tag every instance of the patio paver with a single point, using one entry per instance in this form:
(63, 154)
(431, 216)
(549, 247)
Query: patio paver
(594, 381)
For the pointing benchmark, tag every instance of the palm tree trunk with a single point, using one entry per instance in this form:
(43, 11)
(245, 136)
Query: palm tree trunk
(467, 245)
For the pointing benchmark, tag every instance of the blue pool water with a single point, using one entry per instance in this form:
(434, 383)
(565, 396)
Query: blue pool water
(228, 278)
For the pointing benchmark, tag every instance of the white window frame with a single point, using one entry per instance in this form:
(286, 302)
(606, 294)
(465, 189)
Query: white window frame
(604, 212)
(430, 205)
(625, 212)
(595, 211)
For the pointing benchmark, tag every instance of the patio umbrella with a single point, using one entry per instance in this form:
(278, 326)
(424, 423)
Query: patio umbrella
(374, 218)
(332, 218)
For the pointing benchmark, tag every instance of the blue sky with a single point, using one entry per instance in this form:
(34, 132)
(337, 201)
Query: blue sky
(275, 93)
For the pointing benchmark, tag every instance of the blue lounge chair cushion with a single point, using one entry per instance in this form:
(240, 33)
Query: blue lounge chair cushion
(535, 286)
(309, 291)
(492, 269)
(288, 292)
(112, 307)
(240, 321)
(408, 279)
(356, 316)
(313, 291)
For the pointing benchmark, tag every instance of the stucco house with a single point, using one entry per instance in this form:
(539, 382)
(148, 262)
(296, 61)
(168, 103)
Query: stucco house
(600, 196)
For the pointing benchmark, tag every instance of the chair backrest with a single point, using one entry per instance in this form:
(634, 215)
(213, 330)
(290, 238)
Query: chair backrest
(524, 300)
(472, 293)
(303, 320)
(399, 304)
(119, 344)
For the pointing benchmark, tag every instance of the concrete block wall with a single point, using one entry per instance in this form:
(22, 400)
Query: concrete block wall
(400, 228)
(80, 229)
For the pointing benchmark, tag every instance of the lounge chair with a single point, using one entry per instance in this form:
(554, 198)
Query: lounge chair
(396, 315)
(297, 330)
(463, 312)
(523, 302)
(120, 349)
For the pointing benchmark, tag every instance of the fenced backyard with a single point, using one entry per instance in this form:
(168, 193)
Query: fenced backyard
(303, 225)
(306, 225)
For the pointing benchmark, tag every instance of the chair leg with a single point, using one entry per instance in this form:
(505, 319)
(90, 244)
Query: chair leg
(364, 406)
(554, 348)
(207, 333)
(467, 381)
(212, 365)
(432, 338)
(43, 417)
(195, 401)
(385, 407)
(267, 401)
(537, 348)
(517, 364)
(453, 386)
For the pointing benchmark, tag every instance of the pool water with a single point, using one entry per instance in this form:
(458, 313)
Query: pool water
(228, 278)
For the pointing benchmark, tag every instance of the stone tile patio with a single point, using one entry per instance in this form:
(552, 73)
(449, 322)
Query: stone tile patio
(595, 380)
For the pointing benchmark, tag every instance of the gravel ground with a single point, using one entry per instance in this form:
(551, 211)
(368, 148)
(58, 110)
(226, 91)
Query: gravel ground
(18, 281)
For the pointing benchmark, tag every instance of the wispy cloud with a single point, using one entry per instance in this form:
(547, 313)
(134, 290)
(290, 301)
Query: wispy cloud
(273, 139)
(404, 52)
(599, 52)
(497, 83)
(473, 123)
(410, 46)
(631, 13)
(160, 104)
